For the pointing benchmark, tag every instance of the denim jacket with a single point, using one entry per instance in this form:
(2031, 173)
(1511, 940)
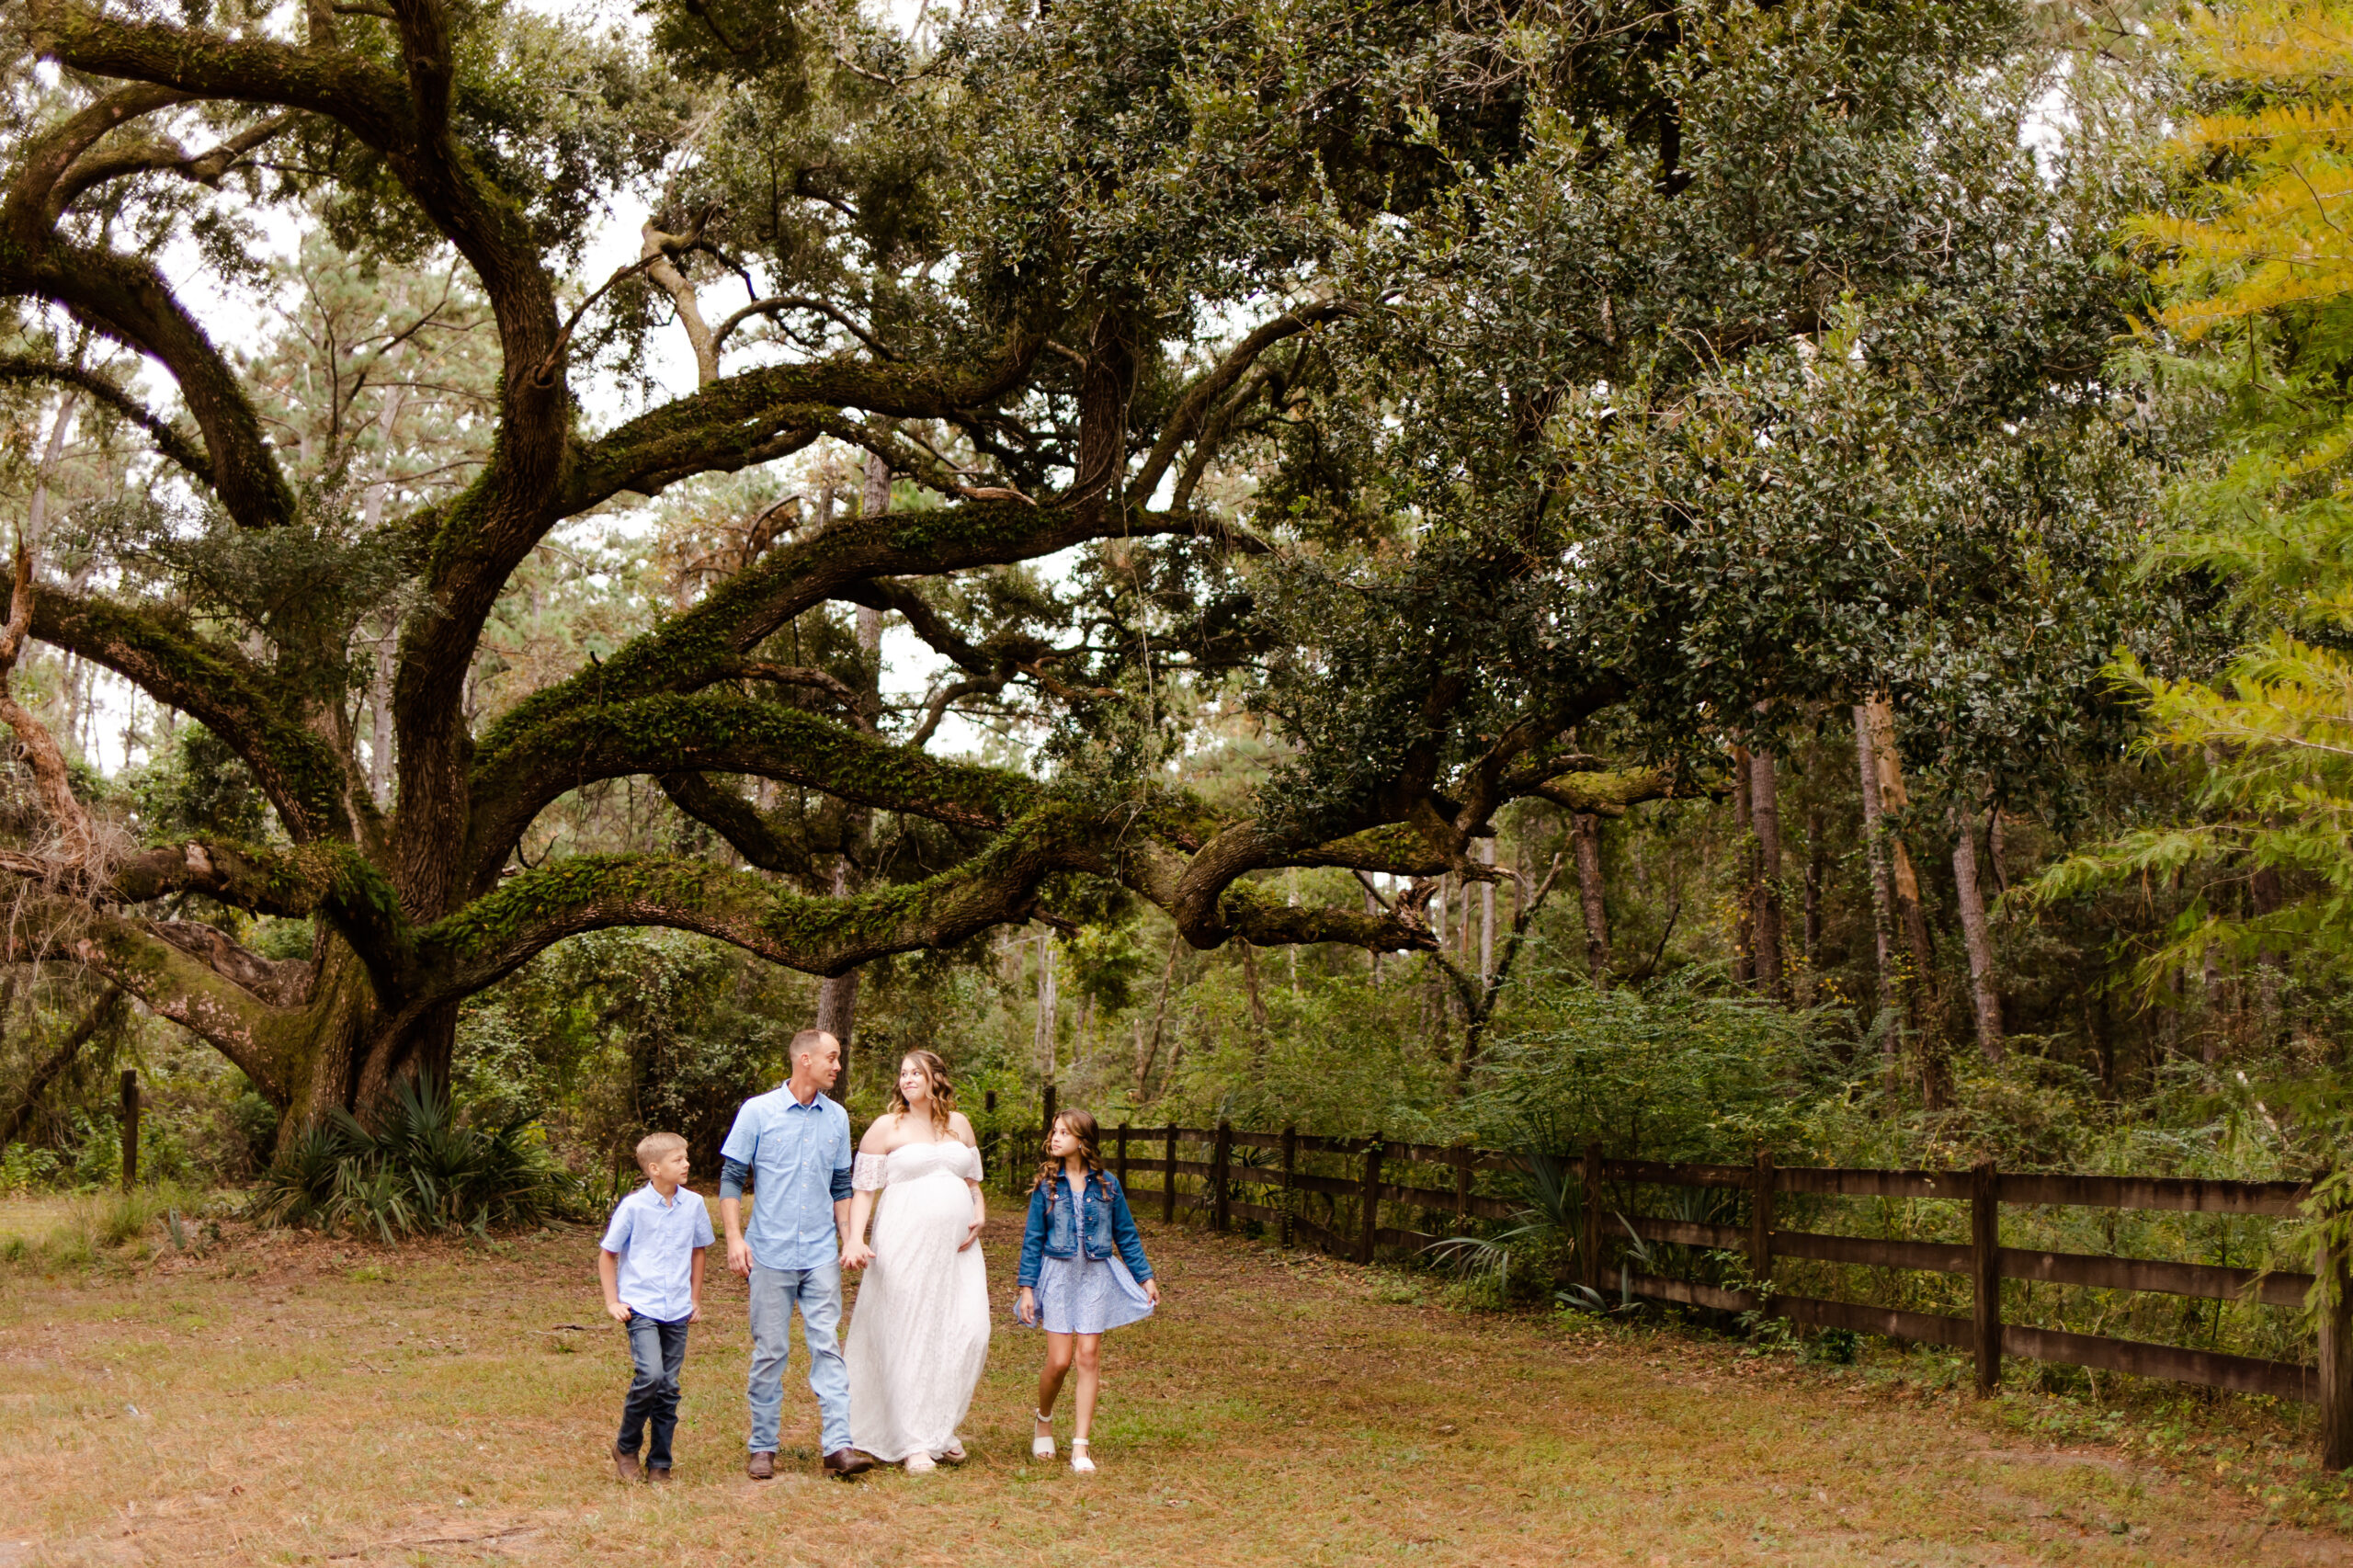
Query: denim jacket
(1052, 1232)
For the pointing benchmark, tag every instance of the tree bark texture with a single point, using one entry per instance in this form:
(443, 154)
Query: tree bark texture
(1765, 919)
(1985, 986)
(1816, 857)
(1883, 880)
(1743, 917)
(1584, 838)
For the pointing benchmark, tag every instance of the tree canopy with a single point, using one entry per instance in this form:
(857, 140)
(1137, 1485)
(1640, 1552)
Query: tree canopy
(1503, 403)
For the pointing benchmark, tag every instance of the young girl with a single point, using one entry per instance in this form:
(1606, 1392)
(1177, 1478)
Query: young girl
(1083, 1271)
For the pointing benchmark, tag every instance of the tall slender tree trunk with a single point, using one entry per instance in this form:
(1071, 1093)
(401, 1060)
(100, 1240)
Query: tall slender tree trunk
(1882, 882)
(1983, 988)
(1815, 857)
(1744, 919)
(1257, 1005)
(1910, 915)
(837, 998)
(1893, 799)
(1584, 839)
(1146, 1056)
(1764, 891)
(1486, 852)
(1043, 1041)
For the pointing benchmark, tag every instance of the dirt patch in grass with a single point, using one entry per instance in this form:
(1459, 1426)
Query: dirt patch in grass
(297, 1400)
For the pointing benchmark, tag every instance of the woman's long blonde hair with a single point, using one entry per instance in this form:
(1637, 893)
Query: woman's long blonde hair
(943, 1092)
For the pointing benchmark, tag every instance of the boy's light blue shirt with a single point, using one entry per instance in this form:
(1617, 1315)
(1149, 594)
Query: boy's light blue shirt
(655, 1242)
(794, 1152)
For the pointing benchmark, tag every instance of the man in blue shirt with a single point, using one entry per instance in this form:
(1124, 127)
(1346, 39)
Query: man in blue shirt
(790, 1148)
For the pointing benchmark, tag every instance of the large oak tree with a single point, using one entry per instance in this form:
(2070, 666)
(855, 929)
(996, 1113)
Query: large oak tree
(1285, 318)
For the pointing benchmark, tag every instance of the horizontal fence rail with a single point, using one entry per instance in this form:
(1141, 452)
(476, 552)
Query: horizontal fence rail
(1338, 1209)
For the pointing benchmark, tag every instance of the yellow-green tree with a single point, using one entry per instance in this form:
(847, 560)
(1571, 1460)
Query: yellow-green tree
(2254, 345)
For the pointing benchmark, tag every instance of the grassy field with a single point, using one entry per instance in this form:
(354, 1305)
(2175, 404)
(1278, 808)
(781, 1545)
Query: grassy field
(290, 1399)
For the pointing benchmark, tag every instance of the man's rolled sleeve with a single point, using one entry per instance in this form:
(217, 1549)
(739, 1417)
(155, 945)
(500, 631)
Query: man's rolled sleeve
(733, 1177)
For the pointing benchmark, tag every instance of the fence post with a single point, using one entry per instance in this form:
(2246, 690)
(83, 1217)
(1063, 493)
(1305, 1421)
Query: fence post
(2336, 1369)
(1760, 1222)
(1371, 1200)
(1461, 1185)
(130, 1129)
(1169, 1179)
(1291, 1167)
(1589, 1221)
(1985, 1261)
(1120, 1165)
(1221, 1187)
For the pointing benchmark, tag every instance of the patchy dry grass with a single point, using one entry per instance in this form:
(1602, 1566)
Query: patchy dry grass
(291, 1399)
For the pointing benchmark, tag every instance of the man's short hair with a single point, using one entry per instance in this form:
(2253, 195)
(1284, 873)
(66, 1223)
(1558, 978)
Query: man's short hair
(808, 1042)
(657, 1146)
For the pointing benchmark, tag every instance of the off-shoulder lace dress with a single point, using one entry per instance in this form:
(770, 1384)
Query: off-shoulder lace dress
(920, 1330)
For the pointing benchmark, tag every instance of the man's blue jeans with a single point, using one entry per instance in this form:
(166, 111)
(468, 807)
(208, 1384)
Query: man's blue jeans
(658, 1350)
(818, 1293)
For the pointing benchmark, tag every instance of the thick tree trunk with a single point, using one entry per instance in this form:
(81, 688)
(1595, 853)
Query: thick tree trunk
(1584, 837)
(1985, 990)
(1764, 891)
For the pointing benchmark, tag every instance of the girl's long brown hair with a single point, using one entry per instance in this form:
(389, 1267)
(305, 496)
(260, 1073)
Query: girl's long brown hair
(1080, 1125)
(943, 1092)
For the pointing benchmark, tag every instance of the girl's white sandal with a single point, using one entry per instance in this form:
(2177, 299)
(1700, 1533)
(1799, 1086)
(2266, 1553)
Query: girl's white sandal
(921, 1464)
(1079, 1459)
(1041, 1443)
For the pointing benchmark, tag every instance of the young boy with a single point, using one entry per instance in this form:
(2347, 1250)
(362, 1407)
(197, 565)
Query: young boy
(651, 1263)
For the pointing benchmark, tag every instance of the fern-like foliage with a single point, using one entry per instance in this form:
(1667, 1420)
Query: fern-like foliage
(2256, 260)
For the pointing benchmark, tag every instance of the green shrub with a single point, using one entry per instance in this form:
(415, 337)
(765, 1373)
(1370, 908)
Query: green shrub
(418, 1169)
(23, 1167)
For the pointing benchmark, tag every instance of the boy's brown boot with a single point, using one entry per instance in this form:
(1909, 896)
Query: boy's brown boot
(761, 1468)
(627, 1466)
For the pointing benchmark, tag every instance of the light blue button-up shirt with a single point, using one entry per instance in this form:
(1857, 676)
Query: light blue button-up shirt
(794, 1152)
(655, 1242)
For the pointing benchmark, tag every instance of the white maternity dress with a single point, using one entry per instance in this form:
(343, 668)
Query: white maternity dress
(920, 1330)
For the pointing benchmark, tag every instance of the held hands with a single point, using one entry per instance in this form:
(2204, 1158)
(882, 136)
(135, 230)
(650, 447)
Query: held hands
(618, 1310)
(1025, 1310)
(857, 1255)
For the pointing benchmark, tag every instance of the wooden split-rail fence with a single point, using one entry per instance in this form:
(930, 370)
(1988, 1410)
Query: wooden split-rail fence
(1150, 1167)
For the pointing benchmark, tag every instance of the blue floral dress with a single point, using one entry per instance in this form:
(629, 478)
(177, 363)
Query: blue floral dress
(1088, 1295)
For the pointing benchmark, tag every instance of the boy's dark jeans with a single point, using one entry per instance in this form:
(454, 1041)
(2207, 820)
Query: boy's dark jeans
(659, 1349)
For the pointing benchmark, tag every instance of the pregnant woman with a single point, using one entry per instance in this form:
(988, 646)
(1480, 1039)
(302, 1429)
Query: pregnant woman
(921, 1327)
